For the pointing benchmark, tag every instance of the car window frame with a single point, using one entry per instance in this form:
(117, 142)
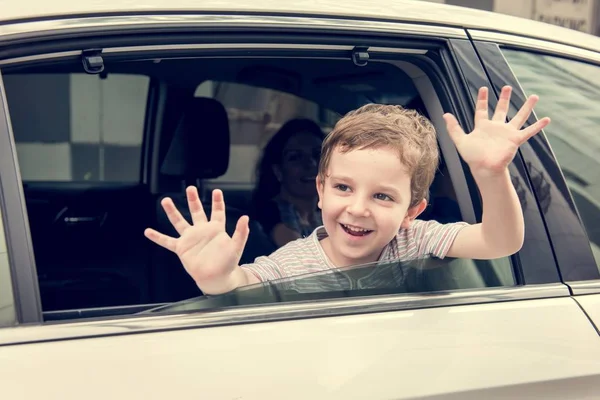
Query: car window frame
(577, 266)
(19, 247)
(534, 263)
(457, 89)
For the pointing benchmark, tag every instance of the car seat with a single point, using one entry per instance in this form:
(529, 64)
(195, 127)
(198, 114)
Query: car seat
(199, 150)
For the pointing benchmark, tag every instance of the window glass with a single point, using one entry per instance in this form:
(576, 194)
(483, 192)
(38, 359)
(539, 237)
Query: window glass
(573, 133)
(255, 114)
(78, 127)
(88, 245)
(416, 276)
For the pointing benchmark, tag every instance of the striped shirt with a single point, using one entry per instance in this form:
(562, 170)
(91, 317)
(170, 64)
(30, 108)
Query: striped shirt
(306, 256)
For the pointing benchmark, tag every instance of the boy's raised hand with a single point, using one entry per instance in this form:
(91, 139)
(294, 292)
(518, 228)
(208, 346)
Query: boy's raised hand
(206, 251)
(492, 145)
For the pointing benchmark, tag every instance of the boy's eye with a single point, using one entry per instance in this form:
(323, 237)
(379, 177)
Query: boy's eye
(384, 197)
(342, 187)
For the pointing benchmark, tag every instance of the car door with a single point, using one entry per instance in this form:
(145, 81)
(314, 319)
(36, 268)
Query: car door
(504, 328)
(562, 163)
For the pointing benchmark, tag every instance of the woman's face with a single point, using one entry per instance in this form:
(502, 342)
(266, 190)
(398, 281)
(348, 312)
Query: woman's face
(299, 165)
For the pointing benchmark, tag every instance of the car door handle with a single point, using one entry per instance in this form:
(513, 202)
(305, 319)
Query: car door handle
(68, 219)
(81, 220)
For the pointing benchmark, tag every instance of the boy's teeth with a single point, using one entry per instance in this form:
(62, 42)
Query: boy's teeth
(353, 229)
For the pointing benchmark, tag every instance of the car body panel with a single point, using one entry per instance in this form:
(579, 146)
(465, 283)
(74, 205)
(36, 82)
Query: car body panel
(486, 348)
(591, 306)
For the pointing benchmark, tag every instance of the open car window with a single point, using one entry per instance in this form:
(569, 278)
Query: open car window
(379, 278)
(99, 261)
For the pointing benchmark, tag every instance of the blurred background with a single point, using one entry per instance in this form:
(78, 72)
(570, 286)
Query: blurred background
(581, 15)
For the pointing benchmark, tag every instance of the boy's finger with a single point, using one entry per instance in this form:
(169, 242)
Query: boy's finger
(533, 130)
(162, 240)
(524, 112)
(218, 208)
(502, 106)
(240, 236)
(195, 205)
(175, 217)
(481, 107)
(454, 129)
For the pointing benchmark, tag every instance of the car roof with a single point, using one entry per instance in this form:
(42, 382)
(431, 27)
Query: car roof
(389, 10)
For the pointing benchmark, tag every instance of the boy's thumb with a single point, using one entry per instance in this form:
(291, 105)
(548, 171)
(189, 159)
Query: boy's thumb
(454, 129)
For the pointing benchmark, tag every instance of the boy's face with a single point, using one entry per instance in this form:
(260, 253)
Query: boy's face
(364, 201)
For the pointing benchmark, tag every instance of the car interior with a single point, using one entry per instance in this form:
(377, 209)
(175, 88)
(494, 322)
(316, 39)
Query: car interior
(205, 121)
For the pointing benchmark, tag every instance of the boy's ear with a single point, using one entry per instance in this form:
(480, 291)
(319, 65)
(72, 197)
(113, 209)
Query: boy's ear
(320, 189)
(413, 213)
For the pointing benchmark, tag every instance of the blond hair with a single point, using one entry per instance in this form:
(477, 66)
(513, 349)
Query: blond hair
(376, 126)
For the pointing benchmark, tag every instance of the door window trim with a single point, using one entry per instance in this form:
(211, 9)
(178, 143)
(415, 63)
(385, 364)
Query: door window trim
(536, 45)
(584, 267)
(537, 266)
(454, 94)
(275, 312)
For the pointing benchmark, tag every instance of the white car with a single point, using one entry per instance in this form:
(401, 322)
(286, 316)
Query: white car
(100, 103)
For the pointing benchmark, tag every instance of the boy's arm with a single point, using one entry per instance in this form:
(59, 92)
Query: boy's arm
(502, 229)
(488, 151)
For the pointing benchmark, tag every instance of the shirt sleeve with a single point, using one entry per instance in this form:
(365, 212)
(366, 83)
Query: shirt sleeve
(435, 239)
(264, 268)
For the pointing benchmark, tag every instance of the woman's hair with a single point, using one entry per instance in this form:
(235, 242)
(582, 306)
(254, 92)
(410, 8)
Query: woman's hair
(267, 185)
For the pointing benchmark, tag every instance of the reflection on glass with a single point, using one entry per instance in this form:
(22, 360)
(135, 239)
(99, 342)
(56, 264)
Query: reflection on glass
(570, 95)
(72, 127)
(416, 276)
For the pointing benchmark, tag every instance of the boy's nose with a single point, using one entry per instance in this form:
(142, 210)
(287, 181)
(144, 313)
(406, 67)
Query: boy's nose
(358, 207)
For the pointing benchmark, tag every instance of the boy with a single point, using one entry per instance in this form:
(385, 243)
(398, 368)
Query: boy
(375, 171)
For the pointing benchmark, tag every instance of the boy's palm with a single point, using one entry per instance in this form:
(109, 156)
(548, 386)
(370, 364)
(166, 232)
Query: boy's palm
(204, 248)
(492, 145)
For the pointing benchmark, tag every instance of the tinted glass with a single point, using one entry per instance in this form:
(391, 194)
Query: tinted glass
(570, 95)
(417, 276)
(78, 127)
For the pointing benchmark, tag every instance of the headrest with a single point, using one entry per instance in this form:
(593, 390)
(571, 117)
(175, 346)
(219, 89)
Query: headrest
(200, 145)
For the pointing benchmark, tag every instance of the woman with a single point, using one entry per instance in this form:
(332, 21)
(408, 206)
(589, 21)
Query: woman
(285, 198)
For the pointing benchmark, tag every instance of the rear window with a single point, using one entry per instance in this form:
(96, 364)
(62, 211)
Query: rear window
(78, 127)
(255, 114)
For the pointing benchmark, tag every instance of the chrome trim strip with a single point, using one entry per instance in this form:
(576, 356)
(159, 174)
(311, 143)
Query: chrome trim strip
(535, 44)
(40, 57)
(130, 22)
(396, 50)
(274, 312)
(226, 46)
(257, 46)
(585, 287)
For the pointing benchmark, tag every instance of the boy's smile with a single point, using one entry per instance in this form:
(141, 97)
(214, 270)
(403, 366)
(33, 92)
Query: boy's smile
(364, 202)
